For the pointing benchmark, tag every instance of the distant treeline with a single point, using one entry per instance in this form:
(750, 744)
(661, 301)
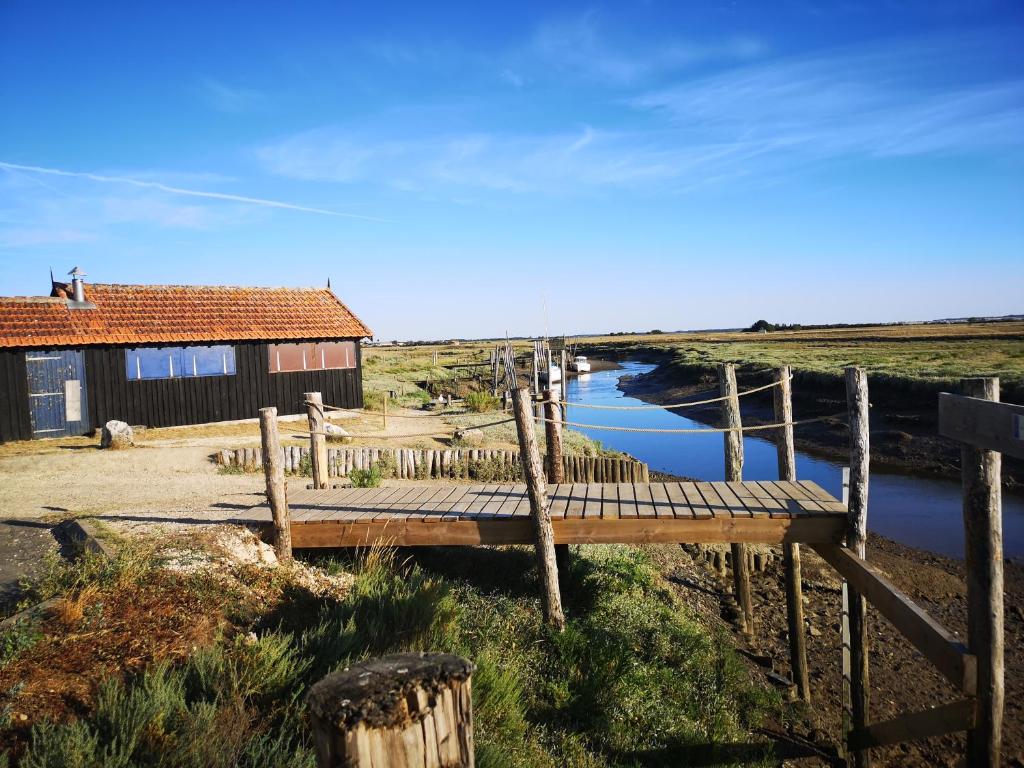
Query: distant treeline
(764, 325)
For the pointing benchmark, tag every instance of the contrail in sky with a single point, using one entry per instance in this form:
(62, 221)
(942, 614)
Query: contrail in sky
(182, 191)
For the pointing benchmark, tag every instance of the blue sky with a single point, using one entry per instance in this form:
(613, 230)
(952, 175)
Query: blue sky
(471, 169)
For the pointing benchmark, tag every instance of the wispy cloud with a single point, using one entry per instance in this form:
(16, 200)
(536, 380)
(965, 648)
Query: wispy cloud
(125, 180)
(882, 101)
(227, 98)
(585, 45)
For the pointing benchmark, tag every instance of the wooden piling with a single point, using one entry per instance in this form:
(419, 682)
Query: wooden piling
(544, 538)
(317, 438)
(556, 464)
(277, 493)
(983, 550)
(783, 402)
(407, 710)
(734, 473)
(856, 540)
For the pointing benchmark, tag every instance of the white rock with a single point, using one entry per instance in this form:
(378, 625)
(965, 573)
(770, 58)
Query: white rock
(336, 434)
(116, 435)
(470, 436)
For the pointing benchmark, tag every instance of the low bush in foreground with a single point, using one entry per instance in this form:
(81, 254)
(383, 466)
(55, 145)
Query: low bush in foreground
(632, 681)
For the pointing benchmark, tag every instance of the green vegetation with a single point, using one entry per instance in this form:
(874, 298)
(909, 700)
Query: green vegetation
(936, 355)
(633, 680)
(479, 402)
(366, 478)
(19, 636)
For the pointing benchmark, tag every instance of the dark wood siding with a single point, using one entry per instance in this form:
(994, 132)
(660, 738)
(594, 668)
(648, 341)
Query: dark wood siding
(172, 402)
(15, 418)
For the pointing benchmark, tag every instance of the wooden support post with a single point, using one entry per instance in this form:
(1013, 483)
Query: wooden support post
(556, 466)
(734, 473)
(856, 540)
(783, 401)
(387, 396)
(983, 549)
(544, 537)
(407, 710)
(277, 493)
(317, 438)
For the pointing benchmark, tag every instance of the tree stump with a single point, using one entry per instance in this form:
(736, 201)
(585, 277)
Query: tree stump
(409, 709)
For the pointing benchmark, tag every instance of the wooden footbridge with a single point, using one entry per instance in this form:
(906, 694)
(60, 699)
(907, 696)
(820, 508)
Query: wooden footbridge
(428, 514)
(549, 513)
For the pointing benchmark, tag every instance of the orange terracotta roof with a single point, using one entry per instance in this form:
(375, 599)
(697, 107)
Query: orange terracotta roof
(154, 314)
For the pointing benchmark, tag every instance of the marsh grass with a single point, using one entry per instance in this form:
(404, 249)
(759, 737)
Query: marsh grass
(633, 674)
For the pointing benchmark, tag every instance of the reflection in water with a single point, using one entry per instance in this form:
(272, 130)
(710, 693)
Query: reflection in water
(921, 512)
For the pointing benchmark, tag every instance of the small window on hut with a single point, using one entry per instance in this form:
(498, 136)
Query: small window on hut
(179, 362)
(286, 358)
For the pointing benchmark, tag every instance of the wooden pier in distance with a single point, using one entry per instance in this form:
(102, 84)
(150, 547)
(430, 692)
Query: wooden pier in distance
(429, 514)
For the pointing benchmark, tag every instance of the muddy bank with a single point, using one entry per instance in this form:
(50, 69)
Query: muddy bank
(904, 417)
(901, 680)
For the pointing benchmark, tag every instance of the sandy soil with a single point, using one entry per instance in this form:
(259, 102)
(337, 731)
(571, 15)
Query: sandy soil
(169, 473)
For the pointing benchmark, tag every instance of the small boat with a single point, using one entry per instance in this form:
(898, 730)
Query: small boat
(580, 364)
(553, 374)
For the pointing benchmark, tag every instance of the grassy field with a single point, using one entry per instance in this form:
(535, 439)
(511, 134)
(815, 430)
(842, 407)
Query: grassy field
(937, 353)
(194, 668)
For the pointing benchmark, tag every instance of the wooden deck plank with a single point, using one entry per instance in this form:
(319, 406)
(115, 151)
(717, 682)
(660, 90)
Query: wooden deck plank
(765, 500)
(823, 497)
(577, 501)
(494, 501)
(714, 502)
(558, 499)
(609, 501)
(430, 509)
(745, 493)
(627, 500)
(645, 505)
(790, 506)
(508, 506)
(695, 500)
(660, 500)
(731, 500)
(592, 506)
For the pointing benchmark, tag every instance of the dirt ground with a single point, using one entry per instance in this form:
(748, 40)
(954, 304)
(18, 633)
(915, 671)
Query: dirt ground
(902, 680)
(168, 474)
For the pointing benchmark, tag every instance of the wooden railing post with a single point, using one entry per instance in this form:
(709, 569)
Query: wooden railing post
(556, 465)
(358, 721)
(983, 550)
(734, 473)
(277, 494)
(856, 540)
(317, 438)
(544, 537)
(783, 401)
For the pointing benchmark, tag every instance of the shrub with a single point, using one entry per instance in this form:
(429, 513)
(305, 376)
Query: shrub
(478, 402)
(366, 478)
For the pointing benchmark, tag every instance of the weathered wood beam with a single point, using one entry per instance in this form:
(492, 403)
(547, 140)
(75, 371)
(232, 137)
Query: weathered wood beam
(941, 647)
(733, 441)
(983, 549)
(982, 422)
(945, 718)
(273, 472)
(540, 514)
(856, 540)
(317, 438)
(555, 462)
(786, 452)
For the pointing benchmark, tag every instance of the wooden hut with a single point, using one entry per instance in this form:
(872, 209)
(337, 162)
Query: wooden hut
(166, 355)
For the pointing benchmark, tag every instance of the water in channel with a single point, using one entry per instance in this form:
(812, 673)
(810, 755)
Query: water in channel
(921, 512)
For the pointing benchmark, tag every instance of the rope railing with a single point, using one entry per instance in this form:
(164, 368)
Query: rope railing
(691, 431)
(672, 406)
(391, 415)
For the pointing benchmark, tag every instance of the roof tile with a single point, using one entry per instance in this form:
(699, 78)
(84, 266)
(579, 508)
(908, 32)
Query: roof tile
(148, 314)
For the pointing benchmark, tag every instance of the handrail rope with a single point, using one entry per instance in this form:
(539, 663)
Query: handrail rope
(709, 430)
(690, 404)
(390, 415)
(438, 432)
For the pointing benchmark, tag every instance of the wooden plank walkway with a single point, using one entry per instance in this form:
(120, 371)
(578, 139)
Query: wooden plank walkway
(429, 513)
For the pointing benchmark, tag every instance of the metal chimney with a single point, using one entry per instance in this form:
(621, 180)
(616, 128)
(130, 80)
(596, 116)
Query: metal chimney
(77, 287)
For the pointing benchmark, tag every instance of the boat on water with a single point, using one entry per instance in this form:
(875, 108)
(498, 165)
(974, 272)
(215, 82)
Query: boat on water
(580, 364)
(552, 374)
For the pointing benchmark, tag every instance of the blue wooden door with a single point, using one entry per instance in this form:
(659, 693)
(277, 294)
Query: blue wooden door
(57, 393)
